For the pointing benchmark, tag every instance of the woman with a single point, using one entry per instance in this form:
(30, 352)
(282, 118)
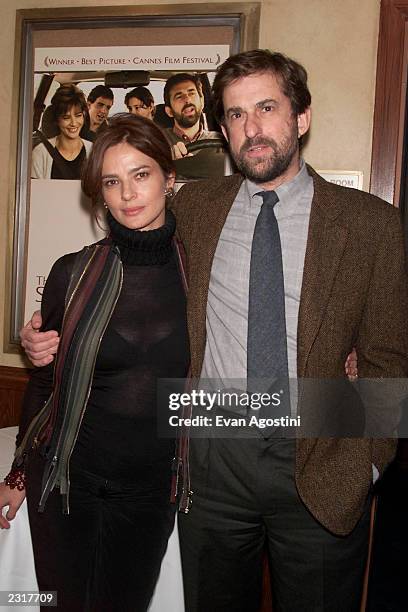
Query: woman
(124, 327)
(62, 157)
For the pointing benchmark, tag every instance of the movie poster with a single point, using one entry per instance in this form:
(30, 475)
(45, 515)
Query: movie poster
(100, 82)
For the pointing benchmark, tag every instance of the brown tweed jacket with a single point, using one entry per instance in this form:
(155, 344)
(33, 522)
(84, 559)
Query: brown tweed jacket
(354, 293)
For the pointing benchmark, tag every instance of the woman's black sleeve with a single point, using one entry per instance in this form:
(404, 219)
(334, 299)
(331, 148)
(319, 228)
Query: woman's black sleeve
(52, 311)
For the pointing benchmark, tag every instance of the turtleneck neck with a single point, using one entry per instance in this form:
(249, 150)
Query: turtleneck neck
(143, 248)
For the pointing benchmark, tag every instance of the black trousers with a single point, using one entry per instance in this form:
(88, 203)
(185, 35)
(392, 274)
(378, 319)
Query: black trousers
(244, 497)
(104, 556)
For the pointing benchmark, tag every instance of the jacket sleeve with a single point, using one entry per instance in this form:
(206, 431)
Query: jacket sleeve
(39, 162)
(382, 343)
(52, 310)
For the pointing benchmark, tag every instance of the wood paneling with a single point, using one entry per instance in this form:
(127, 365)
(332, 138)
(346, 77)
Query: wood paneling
(391, 68)
(13, 382)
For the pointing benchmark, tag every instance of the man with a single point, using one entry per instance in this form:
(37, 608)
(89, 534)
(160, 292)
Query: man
(307, 500)
(184, 103)
(100, 101)
(139, 101)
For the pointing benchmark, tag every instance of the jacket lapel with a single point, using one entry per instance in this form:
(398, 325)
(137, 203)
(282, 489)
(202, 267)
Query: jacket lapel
(326, 242)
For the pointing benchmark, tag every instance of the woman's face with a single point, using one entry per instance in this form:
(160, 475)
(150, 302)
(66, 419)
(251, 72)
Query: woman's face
(133, 187)
(137, 107)
(71, 122)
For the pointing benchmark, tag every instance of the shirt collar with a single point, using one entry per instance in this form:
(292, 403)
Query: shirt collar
(184, 136)
(296, 184)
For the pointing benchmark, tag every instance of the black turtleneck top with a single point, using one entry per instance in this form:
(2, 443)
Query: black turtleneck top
(146, 339)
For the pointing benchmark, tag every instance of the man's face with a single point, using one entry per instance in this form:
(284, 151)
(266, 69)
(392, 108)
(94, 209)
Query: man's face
(99, 111)
(186, 104)
(262, 130)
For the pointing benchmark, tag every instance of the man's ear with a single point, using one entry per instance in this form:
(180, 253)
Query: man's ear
(303, 121)
(225, 133)
(168, 110)
(171, 180)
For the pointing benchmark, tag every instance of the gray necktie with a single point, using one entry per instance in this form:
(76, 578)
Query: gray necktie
(267, 346)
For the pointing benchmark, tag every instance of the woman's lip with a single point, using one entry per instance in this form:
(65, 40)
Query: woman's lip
(132, 211)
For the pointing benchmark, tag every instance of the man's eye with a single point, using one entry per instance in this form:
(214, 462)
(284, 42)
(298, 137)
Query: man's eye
(235, 116)
(267, 109)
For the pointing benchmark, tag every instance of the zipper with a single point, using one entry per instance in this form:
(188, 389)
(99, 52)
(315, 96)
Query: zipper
(49, 485)
(36, 421)
(79, 281)
(50, 426)
(66, 510)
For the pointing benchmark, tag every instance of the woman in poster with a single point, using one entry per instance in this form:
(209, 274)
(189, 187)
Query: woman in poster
(62, 157)
(98, 479)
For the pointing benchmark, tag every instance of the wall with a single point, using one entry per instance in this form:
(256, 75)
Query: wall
(335, 41)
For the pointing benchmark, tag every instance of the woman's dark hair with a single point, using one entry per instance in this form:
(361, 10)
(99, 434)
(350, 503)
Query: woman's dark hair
(65, 98)
(139, 132)
(291, 76)
(141, 93)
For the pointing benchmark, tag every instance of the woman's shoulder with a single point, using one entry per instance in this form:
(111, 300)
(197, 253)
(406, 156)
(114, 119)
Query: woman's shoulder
(87, 144)
(65, 264)
(62, 271)
(41, 149)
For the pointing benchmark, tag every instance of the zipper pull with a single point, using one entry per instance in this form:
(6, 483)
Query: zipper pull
(49, 485)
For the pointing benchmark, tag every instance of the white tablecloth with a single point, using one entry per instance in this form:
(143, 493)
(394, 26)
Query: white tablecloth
(16, 555)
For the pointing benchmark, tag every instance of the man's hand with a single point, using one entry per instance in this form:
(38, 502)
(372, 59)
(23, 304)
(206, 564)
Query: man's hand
(40, 347)
(179, 150)
(351, 366)
(13, 498)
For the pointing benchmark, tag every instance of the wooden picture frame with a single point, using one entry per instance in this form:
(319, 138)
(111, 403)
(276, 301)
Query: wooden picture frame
(235, 24)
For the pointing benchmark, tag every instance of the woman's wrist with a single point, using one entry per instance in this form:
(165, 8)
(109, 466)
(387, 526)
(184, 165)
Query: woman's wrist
(15, 479)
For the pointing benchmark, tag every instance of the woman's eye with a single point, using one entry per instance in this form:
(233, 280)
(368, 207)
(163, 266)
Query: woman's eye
(109, 183)
(142, 175)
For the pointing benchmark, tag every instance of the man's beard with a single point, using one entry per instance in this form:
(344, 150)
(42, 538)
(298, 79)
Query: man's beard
(187, 121)
(269, 167)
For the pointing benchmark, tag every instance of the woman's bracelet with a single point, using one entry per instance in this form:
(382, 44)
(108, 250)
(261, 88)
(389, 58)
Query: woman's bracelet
(15, 480)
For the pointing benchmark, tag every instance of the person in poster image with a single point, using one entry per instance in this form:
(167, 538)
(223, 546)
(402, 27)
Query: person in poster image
(184, 103)
(98, 479)
(306, 500)
(99, 101)
(140, 101)
(62, 157)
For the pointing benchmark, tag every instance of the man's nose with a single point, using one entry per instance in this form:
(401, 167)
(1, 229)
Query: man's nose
(252, 125)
